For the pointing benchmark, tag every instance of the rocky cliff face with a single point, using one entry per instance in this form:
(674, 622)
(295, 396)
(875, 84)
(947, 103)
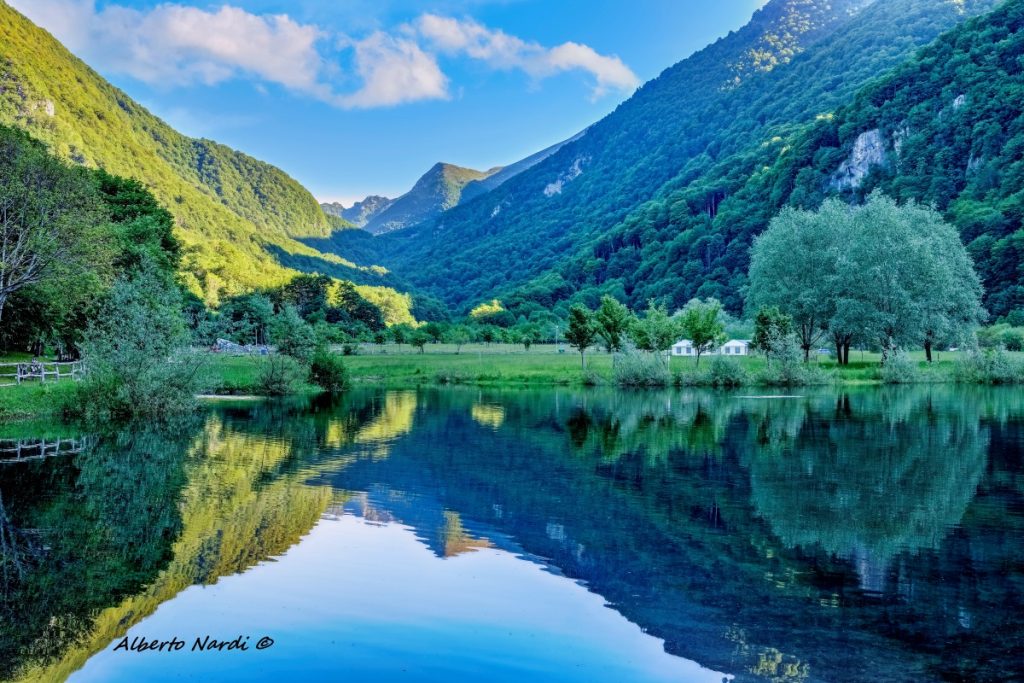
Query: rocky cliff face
(868, 152)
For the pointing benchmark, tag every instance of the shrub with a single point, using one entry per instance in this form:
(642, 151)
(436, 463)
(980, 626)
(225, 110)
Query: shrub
(899, 369)
(327, 371)
(786, 366)
(633, 368)
(280, 375)
(725, 372)
(134, 356)
(988, 366)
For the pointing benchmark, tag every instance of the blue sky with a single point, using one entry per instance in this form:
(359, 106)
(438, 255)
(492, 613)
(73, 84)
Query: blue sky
(361, 97)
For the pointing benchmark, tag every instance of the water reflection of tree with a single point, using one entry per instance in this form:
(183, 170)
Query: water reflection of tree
(145, 514)
(92, 529)
(891, 472)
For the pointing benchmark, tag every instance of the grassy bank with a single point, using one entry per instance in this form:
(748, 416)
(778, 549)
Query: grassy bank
(479, 365)
(543, 365)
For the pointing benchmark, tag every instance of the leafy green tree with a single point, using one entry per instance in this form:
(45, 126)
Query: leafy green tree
(419, 339)
(134, 353)
(792, 268)
(701, 322)
(293, 335)
(612, 320)
(50, 215)
(400, 333)
(435, 330)
(769, 324)
(581, 332)
(657, 331)
(459, 336)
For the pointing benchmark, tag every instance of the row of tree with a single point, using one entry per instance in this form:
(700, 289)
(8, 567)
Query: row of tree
(879, 274)
(615, 327)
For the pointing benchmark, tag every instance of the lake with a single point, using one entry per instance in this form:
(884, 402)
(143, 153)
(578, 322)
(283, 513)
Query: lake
(550, 535)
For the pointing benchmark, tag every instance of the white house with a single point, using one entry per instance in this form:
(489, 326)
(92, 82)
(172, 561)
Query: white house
(733, 347)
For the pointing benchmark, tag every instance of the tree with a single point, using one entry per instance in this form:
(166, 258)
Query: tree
(581, 333)
(612, 320)
(435, 330)
(459, 336)
(50, 214)
(419, 339)
(792, 267)
(701, 322)
(400, 333)
(770, 324)
(657, 331)
(292, 335)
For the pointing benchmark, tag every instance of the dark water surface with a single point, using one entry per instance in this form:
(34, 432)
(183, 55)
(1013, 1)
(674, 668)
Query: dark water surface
(555, 535)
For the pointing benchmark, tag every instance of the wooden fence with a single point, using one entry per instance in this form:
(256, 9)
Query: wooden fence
(43, 371)
(18, 450)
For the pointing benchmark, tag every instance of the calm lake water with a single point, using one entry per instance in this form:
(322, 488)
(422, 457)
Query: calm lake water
(555, 535)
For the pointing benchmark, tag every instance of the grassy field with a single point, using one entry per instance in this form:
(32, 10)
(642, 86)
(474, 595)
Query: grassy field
(476, 364)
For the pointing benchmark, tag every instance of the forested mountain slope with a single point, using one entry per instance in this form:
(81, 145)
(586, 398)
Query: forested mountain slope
(795, 60)
(231, 210)
(945, 128)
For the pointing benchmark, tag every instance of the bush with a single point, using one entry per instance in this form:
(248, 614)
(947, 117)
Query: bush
(786, 366)
(134, 356)
(725, 372)
(899, 369)
(327, 371)
(633, 368)
(989, 366)
(280, 375)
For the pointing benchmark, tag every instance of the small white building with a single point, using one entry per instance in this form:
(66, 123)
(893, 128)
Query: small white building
(733, 347)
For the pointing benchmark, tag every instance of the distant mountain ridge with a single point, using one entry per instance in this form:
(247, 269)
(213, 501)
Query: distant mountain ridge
(360, 213)
(438, 190)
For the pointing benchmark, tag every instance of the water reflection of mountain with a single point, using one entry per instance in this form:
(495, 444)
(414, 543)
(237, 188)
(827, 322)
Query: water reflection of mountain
(816, 539)
(100, 539)
(865, 536)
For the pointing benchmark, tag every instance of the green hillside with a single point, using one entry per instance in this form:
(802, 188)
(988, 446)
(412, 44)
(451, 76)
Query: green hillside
(546, 232)
(945, 128)
(231, 210)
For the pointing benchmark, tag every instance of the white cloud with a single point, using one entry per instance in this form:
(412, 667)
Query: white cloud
(394, 70)
(178, 45)
(503, 51)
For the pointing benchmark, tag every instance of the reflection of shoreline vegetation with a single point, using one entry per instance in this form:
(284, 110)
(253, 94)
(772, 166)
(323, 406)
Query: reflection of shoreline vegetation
(659, 502)
(229, 497)
(721, 523)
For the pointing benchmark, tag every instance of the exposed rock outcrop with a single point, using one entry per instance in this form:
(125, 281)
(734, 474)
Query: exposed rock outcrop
(868, 152)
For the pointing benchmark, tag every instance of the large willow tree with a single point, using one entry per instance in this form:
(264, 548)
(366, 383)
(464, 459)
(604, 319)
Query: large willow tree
(880, 274)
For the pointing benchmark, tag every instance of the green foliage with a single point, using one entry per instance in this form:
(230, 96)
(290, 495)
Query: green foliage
(613, 321)
(134, 356)
(673, 185)
(989, 366)
(581, 333)
(701, 322)
(419, 339)
(899, 369)
(292, 335)
(327, 371)
(786, 365)
(635, 368)
(280, 375)
(769, 323)
(879, 274)
(656, 331)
